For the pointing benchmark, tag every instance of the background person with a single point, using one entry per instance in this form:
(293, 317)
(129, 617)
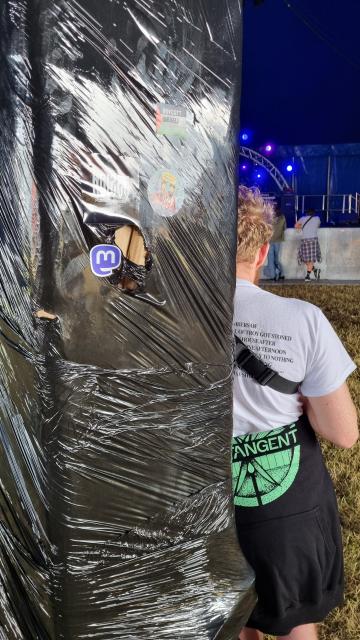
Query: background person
(309, 251)
(285, 506)
(275, 268)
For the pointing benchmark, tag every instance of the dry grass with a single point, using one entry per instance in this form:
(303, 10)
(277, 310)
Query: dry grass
(341, 305)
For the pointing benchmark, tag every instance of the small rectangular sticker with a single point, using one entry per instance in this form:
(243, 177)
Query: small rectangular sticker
(172, 121)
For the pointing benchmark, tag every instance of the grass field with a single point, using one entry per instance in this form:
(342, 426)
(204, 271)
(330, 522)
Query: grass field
(341, 305)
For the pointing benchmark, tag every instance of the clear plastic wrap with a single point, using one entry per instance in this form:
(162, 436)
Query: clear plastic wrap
(118, 217)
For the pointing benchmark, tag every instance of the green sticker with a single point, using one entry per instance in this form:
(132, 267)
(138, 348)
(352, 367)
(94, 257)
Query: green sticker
(264, 465)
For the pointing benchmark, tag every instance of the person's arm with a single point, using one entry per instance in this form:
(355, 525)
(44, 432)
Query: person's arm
(334, 417)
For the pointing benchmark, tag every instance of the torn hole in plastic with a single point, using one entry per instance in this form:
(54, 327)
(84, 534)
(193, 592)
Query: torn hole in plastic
(45, 315)
(136, 259)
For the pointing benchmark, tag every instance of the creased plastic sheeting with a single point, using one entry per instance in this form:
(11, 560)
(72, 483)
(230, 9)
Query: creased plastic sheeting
(118, 129)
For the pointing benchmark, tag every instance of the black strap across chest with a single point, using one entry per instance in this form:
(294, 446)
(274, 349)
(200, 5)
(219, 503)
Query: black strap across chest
(305, 223)
(259, 371)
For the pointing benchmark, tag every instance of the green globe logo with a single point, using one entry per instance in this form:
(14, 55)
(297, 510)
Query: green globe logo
(264, 465)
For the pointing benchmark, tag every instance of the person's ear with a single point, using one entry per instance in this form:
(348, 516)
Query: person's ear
(262, 255)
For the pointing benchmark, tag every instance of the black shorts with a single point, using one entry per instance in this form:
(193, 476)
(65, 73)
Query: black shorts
(288, 527)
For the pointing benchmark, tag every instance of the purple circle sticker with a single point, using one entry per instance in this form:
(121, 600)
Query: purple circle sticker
(166, 193)
(104, 259)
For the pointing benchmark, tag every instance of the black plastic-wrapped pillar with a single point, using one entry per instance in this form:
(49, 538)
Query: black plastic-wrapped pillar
(118, 234)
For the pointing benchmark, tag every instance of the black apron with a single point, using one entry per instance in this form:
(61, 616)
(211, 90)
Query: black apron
(288, 526)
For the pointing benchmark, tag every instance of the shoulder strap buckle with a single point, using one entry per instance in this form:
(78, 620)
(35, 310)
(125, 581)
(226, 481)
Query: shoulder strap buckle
(266, 377)
(243, 354)
(261, 372)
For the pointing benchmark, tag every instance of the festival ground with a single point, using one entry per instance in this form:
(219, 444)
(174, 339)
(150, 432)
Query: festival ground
(332, 283)
(341, 305)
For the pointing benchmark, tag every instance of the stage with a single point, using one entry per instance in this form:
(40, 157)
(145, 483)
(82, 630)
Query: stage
(340, 249)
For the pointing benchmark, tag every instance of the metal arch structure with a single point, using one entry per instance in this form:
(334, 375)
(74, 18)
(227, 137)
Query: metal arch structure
(260, 160)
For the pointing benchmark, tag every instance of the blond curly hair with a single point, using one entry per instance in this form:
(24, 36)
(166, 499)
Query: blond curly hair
(255, 223)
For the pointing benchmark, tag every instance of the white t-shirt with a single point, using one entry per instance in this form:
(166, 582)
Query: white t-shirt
(311, 229)
(295, 339)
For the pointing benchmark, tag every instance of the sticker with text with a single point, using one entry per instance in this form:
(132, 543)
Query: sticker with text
(172, 121)
(107, 180)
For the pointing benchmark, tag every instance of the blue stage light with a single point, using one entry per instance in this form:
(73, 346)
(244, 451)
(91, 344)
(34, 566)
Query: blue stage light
(244, 167)
(268, 148)
(246, 135)
(289, 168)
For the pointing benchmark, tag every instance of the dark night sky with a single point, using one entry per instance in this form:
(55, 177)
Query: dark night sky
(296, 88)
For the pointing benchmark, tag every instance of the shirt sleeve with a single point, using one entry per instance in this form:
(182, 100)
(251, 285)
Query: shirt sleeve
(330, 364)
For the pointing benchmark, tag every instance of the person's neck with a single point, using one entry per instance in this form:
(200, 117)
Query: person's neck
(245, 271)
